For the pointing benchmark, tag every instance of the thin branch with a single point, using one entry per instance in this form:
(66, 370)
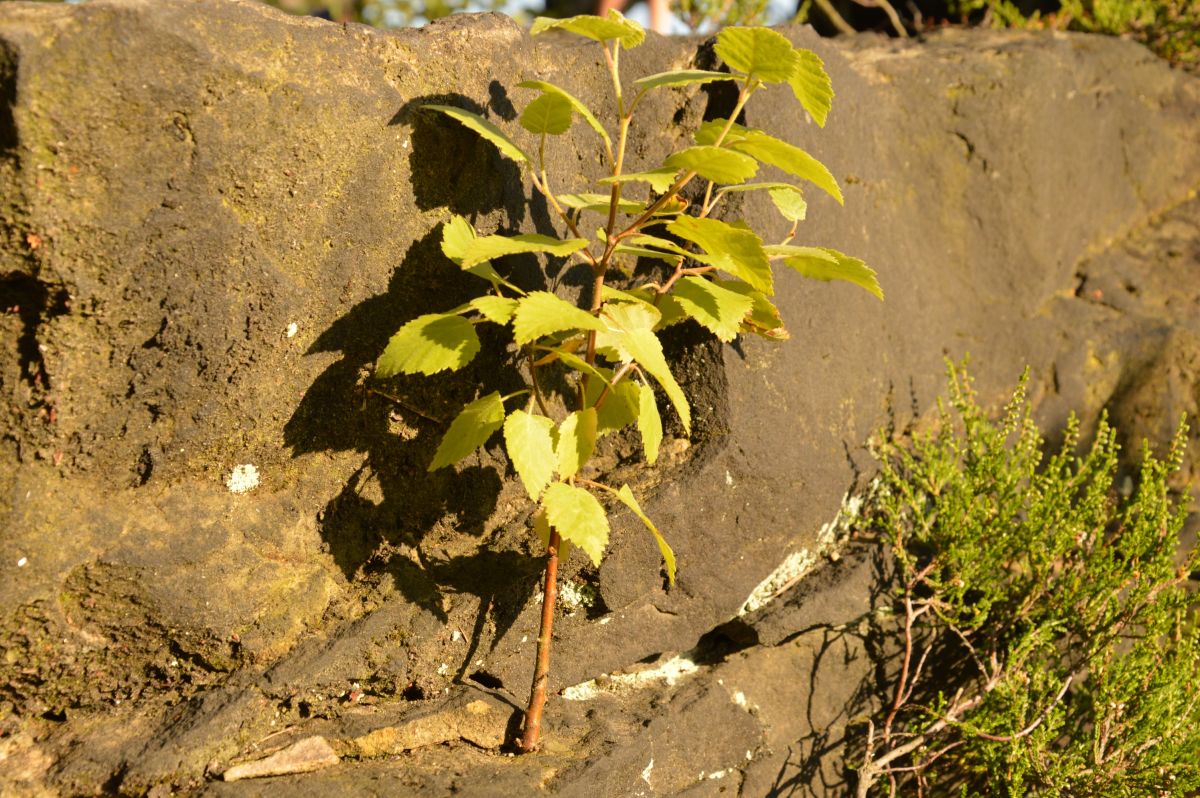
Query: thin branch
(1008, 738)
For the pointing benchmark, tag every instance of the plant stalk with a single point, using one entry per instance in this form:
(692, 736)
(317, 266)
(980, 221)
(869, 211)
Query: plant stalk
(537, 694)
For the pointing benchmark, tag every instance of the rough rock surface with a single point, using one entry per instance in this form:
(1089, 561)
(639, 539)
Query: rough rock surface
(213, 216)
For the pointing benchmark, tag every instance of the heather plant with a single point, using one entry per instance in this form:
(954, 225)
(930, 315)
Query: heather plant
(656, 255)
(1047, 638)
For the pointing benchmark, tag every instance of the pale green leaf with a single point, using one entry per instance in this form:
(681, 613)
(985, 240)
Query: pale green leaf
(580, 108)
(484, 128)
(599, 203)
(649, 423)
(542, 313)
(620, 408)
(764, 318)
(457, 236)
(830, 264)
(714, 163)
(731, 249)
(470, 429)
(547, 113)
(644, 252)
(601, 29)
(610, 342)
(488, 247)
(636, 337)
(627, 498)
(529, 440)
(429, 344)
(576, 441)
(710, 132)
(811, 85)
(759, 52)
(495, 309)
(541, 528)
(579, 517)
(572, 360)
(788, 199)
(659, 179)
(644, 240)
(787, 157)
(681, 77)
(716, 309)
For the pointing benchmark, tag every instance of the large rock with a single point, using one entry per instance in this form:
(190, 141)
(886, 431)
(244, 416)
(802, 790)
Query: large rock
(215, 215)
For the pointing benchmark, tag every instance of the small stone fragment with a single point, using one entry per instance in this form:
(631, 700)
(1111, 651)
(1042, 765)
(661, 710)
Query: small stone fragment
(311, 753)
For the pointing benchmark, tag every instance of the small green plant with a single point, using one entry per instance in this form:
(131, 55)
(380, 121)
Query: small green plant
(1055, 613)
(717, 273)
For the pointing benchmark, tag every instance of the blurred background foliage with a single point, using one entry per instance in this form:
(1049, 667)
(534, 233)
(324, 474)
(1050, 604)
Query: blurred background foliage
(1171, 28)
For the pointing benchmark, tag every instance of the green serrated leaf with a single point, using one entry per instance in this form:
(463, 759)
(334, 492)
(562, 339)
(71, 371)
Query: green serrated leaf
(649, 423)
(547, 113)
(644, 240)
(788, 199)
(601, 29)
(731, 249)
(829, 264)
(429, 344)
(599, 203)
(580, 108)
(764, 319)
(811, 85)
(681, 77)
(457, 235)
(572, 360)
(484, 128)
(627, 498)
(541, 528)
(495, 309)
(644, 252)
(576, 441)
(714, 163)
(488, 247)
(470, 429)
(542, 313)
(759, 52)
(632, 329)
(716, 309)
(579, 517)
(620, 408)
(529, 440)
(709, 132)
(659, 179)
(787, 157)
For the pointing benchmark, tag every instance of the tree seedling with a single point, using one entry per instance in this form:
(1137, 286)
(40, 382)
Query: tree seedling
(673, 260)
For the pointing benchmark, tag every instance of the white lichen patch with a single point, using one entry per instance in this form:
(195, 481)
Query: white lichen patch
(797, 564)
(242, 479)
(668, 673)
(573, 596)
(292, 329)
(647, 771)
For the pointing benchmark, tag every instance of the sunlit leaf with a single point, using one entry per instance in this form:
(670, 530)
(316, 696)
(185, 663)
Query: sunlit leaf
(811, 85)
(787, 157)
(759, 52)
(457, 235)
(542, 313)
(429, 344)
(715, 164)
(470, 429)
(649, 423)
(681, 77)
(627, 498)
(495, 308)
(731, 249)
(576, 440)
(548, 113)
(488, 247)
(764, 318)
(788, 199)
(484, 128)
(620, 408)
(829, 264)
(715, 308)
(659, 179)
(599, 203)
(602, 29)
(530, 444)
(580, 108)
(637, 338)
(541, 528)
(579, 517)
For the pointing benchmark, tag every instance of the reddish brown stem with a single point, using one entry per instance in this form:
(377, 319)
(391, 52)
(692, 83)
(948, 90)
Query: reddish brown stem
(537, 694)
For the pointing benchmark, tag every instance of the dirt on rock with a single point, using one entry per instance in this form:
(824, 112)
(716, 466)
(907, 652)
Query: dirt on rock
(219, 537)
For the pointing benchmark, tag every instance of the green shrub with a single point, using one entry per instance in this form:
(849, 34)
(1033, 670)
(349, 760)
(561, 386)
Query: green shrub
(1054, 611)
